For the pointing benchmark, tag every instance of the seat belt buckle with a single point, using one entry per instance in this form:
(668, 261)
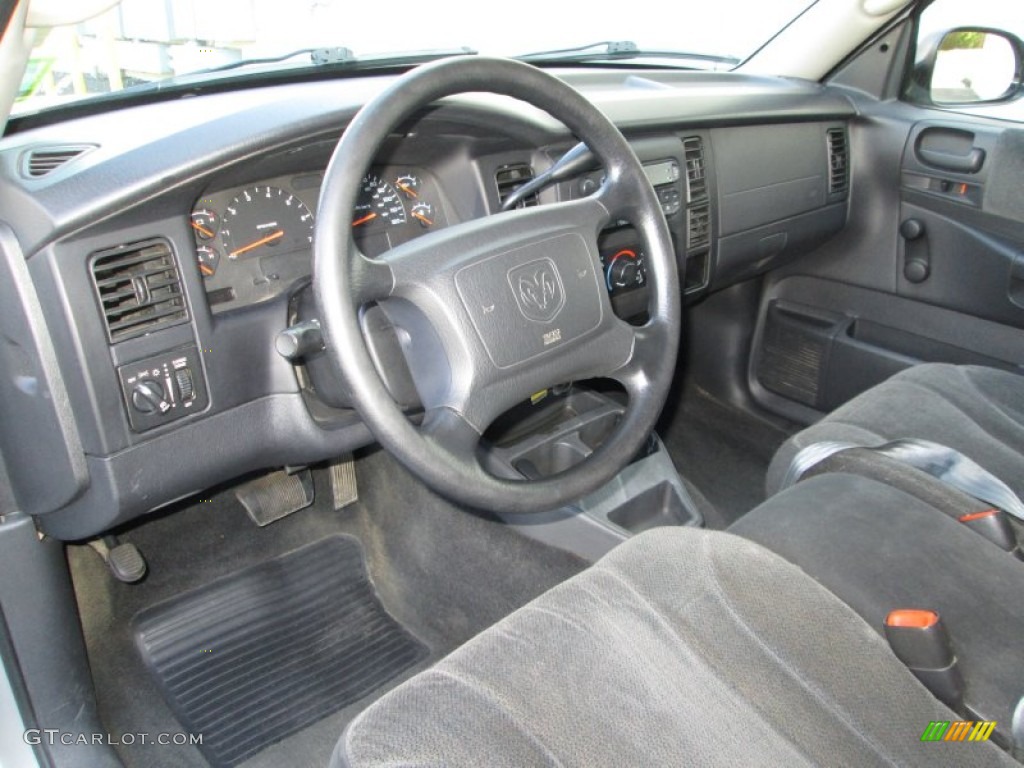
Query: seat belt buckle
(920, 640)
(995, 526)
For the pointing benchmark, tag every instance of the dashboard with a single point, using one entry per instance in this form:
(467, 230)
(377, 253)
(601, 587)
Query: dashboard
(253, 242)
(152, 272)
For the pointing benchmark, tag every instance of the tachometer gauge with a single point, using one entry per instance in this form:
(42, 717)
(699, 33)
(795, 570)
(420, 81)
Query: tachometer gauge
(378, 202)
(204, 222)
(265, 218)
(409, 186)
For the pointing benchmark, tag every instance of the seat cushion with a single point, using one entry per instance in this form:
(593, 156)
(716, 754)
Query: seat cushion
(975, 410)
(878, 549)
(681, 647)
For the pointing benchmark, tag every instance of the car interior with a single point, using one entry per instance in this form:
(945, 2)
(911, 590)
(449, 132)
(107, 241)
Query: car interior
(549, 410)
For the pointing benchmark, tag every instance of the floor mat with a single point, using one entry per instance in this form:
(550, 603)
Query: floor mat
(254, 657)
(721, 450)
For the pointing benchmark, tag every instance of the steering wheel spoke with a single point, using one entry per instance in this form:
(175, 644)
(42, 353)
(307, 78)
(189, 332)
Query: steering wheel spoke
(372, 279)
(645, 359)
(452, 434)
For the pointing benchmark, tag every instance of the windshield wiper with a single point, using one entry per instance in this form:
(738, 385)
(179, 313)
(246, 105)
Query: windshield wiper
(617, 50)
(343, 57)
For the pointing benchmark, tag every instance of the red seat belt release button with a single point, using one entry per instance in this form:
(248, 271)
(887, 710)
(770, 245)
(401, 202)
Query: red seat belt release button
(920, 640)
(995, 526)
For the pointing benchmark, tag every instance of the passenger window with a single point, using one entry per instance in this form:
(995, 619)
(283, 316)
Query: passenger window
(969, 58)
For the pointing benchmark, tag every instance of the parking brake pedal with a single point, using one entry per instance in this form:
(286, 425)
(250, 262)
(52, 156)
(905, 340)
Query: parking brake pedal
(124, 560)
(276, 495)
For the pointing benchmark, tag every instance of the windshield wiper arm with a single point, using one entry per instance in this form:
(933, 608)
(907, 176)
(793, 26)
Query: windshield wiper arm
(613, 50)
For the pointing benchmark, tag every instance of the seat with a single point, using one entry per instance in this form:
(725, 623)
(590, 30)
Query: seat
(878, 548)
(975, 410)
(679, 647)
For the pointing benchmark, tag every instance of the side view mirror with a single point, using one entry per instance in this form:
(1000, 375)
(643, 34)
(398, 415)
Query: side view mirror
(968, 65)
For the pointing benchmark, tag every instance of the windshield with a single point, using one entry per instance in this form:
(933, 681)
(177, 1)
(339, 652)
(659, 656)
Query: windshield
(141, 42)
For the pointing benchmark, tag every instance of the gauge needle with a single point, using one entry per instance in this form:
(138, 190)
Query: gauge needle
(423, 218)
(206, 269)
(368, 217)
(407, 189)
(201, 229)
(256, 244)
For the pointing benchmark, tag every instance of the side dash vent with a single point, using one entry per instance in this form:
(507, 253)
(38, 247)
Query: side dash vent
(508, 178)
(41, 161)
(696, 171)
(838, 161)
(139, 289)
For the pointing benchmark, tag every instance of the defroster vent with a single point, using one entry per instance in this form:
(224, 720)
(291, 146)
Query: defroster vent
(139, 289)
(696, 169)
(509, 178)
(44, 160)
(838, 161)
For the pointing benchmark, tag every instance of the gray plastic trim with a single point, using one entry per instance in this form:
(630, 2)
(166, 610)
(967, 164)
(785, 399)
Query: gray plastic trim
(39, 430)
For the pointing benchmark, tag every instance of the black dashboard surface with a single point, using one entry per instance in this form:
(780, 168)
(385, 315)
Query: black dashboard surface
(222, 192)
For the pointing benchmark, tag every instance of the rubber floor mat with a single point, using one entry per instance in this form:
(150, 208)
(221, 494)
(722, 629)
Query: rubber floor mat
(260, 654)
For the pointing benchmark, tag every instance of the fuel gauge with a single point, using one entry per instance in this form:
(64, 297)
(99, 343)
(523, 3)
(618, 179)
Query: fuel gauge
(424, 214)
(208, 258)
(408, 185)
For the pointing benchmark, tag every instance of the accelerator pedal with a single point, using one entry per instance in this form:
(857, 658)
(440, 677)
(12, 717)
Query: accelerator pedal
(276, 495)
(343, 481)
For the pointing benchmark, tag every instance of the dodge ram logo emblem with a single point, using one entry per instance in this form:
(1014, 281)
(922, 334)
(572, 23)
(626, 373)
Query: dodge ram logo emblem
(537, 287)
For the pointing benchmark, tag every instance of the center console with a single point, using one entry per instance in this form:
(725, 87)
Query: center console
(542, 440)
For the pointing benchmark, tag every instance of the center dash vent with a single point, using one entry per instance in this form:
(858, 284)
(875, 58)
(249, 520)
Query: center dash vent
(698, 226)
(509, 178)
(44, 160)
(696, 171)
(139, 289)
(838, 161)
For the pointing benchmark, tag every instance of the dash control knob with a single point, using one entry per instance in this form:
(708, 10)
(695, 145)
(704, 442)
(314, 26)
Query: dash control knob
(185, 383)
(148, 397)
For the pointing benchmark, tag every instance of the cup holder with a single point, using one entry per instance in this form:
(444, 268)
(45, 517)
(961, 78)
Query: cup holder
(596, 432)
(655, 507)
(550, 459)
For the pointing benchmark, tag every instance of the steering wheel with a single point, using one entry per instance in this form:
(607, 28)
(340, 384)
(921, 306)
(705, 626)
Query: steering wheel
(493, 310)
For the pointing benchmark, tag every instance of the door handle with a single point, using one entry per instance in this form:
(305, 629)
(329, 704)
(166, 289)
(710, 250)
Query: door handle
(969, 163)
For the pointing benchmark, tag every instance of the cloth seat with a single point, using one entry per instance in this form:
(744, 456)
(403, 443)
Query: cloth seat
(680, 647)
(878, 549)
(975, 410)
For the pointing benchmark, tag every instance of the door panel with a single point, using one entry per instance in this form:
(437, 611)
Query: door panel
(929, 269)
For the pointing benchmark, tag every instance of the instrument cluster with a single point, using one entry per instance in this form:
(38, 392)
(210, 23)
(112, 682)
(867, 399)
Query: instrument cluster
(253, 242)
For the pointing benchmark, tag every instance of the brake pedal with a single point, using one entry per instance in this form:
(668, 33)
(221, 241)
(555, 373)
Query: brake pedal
(276, 495)
(124, 559)
(344, 490)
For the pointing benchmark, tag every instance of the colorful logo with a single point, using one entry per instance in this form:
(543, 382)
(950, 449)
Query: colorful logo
(961, 730)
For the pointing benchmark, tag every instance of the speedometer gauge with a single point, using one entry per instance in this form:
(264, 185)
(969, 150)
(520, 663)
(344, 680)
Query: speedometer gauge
(264, 218)
(378, 202)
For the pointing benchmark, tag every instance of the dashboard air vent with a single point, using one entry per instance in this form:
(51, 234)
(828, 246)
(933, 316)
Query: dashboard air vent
(509, 178)
(139, 289)
(838, 161)
(43, 160)
(696, 172)
(698, 227)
